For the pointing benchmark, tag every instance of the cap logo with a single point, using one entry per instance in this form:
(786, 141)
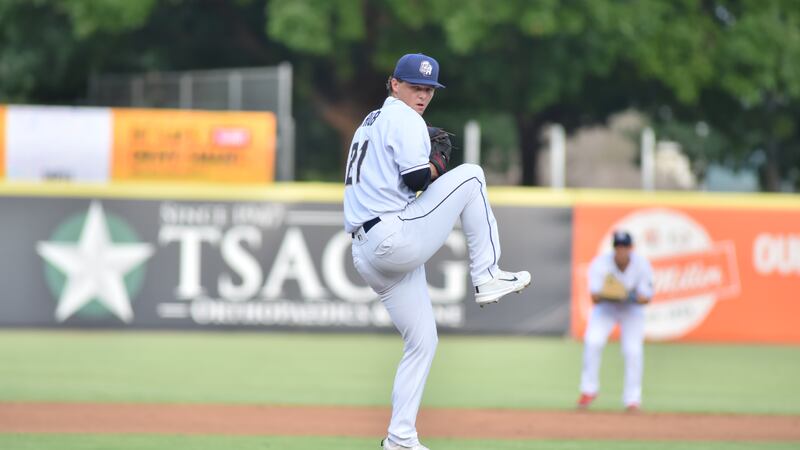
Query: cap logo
(425, 68)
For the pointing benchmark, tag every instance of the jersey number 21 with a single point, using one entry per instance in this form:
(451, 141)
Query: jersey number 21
(356, 153)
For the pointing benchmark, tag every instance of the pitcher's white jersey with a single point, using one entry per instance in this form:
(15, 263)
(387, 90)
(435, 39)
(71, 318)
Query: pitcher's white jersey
(391, 141)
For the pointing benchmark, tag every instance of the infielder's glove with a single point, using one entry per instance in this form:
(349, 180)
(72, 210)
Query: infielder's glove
(613, 290)
(441, 148)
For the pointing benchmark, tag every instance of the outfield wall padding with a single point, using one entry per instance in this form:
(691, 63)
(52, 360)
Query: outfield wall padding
(251, 265)
(209, 257)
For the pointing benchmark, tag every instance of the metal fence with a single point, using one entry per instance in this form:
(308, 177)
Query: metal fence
(241, 89)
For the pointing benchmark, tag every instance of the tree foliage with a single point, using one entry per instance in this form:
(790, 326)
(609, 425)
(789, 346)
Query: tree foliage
(44, 44)
(750, 105)
(732, 66)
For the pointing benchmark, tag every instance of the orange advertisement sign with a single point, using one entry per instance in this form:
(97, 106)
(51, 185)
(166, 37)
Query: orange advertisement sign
(719, 274)
(711, 271)
(2, 141)
(181, 145)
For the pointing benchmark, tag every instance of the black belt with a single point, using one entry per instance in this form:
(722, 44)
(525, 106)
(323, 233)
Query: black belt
(368, 225)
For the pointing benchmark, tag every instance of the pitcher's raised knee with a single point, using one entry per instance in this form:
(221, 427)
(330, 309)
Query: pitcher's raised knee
(467, 171)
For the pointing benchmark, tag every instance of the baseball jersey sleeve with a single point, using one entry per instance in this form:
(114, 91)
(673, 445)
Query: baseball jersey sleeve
(597, 272)
(644, 286)
(410, 143)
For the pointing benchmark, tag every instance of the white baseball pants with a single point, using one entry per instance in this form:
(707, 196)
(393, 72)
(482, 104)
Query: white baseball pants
(604, 316)
(391, 257)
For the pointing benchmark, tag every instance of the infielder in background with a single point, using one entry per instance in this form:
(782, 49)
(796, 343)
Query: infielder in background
(620, 283)
(395, 231)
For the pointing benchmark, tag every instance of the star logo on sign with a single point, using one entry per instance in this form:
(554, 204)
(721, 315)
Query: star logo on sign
(95, 267)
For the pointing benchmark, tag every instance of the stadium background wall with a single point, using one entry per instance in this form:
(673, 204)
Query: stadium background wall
(276, 258)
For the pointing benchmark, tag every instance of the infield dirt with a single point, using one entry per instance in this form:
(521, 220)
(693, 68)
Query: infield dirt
(372, 421)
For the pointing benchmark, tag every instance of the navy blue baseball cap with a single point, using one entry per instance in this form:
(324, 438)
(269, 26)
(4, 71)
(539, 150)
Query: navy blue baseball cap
(622, 238)
(416, 68)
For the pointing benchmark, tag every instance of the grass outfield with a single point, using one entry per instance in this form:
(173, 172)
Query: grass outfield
(162, 442)
(337, 369)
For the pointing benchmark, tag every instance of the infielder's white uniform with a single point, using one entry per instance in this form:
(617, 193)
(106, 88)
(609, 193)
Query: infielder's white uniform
(637, 277)
(393, 141)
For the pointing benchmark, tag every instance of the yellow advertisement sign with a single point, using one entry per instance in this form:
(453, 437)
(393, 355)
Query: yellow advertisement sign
(181, 145)
(2, 142)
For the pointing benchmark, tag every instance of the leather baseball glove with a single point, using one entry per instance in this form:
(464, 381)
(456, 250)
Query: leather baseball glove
(613, 290)
(441, 148)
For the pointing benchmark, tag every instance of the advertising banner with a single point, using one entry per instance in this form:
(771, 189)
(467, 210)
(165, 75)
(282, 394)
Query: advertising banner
(57, 143)
(131, 263)
(720, 274)
(182, 145)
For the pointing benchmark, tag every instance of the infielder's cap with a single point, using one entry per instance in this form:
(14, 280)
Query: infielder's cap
(622, 238)
(416, 68)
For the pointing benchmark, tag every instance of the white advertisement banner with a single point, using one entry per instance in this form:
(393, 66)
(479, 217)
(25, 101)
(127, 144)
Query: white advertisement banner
(58, 143)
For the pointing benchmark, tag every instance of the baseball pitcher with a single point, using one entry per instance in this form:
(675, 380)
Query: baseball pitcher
(394, 155)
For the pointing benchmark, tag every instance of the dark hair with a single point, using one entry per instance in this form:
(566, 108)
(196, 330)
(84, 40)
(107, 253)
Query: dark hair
(389, 84)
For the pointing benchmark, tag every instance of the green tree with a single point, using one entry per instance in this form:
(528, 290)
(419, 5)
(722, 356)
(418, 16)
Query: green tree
(753, 101)
(571, 62)
(47, 45)
(48, 48)
(733, 65)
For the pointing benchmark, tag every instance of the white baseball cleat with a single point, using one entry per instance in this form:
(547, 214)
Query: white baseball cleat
(386, 444)
(504, 283)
